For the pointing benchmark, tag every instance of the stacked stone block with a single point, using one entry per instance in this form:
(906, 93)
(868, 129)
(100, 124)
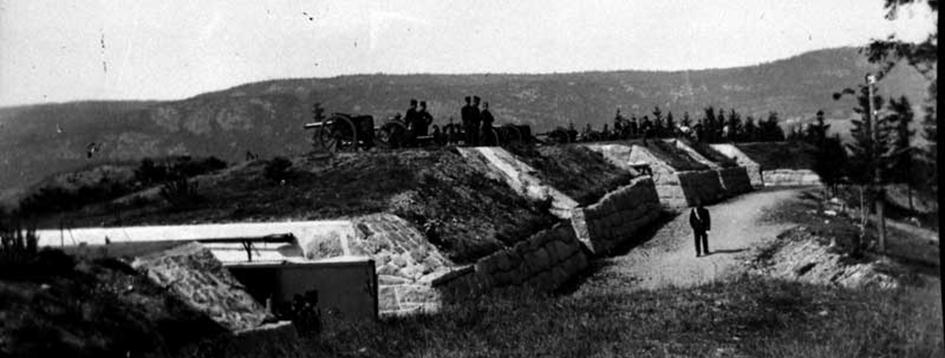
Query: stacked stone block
(752, 167)
(543, 262)
(617, 216)
(735, 180)
(194, 275)
(404, 260)
(790, 177)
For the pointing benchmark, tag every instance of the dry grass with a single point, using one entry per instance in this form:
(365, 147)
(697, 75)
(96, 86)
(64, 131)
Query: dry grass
(749, 315)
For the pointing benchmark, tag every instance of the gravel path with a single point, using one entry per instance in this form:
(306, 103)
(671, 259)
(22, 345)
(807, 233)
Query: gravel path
(669, 258)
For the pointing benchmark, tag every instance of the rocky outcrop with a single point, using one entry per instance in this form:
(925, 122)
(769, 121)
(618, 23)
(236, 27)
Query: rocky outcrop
(617, 217)
(803, 256)
(195, 276)
(543, 262)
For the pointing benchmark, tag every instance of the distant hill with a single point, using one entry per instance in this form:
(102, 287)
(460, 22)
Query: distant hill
(266, 117)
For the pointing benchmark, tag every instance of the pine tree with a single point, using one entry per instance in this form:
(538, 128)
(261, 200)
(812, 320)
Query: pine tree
(770, 129)
(735, 129)
(686, 121)
(866, 154)
(901, 168)
(829, 161)
(670, 125)
(750, 131)
(658, 122)
(708, 125)
(929, 155)
(817, 132)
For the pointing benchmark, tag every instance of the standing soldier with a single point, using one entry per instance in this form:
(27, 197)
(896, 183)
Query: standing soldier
(466, 114)
(411, 120)
(488, 135)
(426, 119)
(475, 120)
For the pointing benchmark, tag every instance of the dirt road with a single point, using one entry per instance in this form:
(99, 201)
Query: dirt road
(669, 258)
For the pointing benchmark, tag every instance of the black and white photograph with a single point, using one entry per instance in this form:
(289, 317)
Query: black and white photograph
(469, 178)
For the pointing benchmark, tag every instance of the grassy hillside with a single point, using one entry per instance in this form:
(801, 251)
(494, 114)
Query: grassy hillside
(266, 117)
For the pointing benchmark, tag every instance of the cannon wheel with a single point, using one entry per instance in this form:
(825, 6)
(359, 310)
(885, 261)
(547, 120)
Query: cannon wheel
(453, 133)
(493, 135)
(332, 137)
(512, 134)
(391, 134)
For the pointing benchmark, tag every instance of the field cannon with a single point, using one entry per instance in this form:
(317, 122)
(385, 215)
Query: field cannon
(343, 132)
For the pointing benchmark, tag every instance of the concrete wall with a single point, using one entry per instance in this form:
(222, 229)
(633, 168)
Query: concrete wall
(543, 262)
(790, 177)
(752, 167)
(304, 232)
(403, 256)
(346, 289)
(616, 217)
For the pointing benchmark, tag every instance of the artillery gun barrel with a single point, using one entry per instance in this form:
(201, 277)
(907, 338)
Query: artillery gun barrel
(314, 125)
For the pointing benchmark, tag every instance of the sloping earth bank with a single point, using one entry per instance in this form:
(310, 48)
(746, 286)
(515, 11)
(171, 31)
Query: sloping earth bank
(464, 213)
(581, 173)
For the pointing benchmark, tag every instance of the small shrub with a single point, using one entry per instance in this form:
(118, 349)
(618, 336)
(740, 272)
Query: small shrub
(178, 190)
(278, 169)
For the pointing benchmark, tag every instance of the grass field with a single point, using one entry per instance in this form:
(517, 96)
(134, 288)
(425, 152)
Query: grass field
(746, 316)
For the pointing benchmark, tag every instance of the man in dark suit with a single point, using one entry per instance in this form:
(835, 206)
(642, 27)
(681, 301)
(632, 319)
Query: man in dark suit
(701, 224)
(470, 116)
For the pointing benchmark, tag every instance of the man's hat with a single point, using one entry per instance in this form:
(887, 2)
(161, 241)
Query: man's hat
(468, 98)
(413, 101)
(423, 103)
(476, 98)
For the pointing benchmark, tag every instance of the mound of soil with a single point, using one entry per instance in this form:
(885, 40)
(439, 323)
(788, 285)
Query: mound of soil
(712, 154)
(780, 155)
(93, 309)
(464, 213)
(676, 158)
(582, 174)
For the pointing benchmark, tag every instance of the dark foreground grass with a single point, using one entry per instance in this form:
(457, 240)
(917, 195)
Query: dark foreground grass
(750, 315)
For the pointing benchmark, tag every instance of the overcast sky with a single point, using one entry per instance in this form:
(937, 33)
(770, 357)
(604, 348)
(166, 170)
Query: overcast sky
(63, 50)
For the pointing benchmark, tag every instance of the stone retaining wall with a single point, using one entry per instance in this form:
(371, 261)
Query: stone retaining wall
(617, 216)
(752, 167)
(703, 186)
(195, 276)
(735, 180)
(790, 177)
(543, 262)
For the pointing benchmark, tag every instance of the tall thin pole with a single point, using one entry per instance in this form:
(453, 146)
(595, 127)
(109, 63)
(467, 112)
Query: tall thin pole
(877, 183)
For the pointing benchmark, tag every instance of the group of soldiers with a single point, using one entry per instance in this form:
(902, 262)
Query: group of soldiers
(477, 124)
(418, 121)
